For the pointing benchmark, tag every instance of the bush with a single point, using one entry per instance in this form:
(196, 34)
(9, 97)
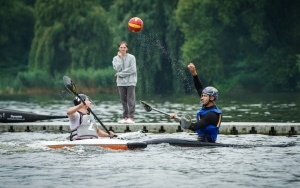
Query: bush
(37, 79)
(94, 79)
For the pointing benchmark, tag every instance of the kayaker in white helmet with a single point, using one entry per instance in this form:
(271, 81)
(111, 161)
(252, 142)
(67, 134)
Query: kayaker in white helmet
(82, 124)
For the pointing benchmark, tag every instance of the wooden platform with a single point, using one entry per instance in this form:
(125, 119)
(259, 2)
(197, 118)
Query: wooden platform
(233, 128)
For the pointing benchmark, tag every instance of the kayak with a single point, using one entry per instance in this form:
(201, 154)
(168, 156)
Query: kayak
(114, 144)
(196, 143)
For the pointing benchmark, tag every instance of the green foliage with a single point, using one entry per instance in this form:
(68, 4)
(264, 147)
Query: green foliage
(16, 33)
(298, 61)
(241, 42)
(38, 79)
(69, 34)
(281, 63)
(156, 47)
(98, 79)
(201, 29)
(236, 45)
(7, 85)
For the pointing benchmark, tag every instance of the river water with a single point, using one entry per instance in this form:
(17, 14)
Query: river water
(236, 107)
(26, 163)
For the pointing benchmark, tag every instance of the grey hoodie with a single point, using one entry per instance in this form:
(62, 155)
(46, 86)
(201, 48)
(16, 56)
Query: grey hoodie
(126, 70)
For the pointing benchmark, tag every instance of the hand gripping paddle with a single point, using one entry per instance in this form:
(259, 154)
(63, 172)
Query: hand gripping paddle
(69, 84)
(185, 120)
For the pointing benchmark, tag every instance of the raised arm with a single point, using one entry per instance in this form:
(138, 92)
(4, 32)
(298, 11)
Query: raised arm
(197, 83)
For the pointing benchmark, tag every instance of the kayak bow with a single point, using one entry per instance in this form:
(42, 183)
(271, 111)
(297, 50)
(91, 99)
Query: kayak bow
(114, 144)
(11, 116)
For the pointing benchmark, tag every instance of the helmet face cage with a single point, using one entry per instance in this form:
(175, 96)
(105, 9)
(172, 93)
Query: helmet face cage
(77, 100)
(211, 91)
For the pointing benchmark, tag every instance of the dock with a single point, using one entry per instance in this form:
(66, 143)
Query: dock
(227, 128)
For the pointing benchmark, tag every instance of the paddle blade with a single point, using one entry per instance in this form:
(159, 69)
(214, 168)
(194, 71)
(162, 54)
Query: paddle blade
(70, 85)
(185, 121)
(146, 106)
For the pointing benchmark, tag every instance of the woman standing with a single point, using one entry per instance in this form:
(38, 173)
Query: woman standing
(125, 65)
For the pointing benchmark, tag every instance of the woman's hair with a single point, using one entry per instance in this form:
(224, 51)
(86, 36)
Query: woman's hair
(123, 42)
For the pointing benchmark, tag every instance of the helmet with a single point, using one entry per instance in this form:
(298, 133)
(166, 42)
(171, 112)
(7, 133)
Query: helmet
(211, 91)
(77, 99)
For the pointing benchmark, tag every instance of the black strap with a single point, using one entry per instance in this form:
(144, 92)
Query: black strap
(80, 119)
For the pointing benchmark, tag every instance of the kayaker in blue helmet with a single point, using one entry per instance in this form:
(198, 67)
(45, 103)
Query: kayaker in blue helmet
(82, 124)
(209, 116)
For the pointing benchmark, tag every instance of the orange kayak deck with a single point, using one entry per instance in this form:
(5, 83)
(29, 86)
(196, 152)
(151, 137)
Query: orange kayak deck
(114, 144)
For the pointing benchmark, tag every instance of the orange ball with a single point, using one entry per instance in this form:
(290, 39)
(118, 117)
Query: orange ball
(135, 24)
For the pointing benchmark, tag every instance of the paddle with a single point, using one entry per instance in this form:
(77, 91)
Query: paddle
(148, 108)
(185, 120)
(69, 84)
(10, 116)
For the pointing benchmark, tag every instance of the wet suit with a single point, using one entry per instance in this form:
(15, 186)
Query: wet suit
(208, 118)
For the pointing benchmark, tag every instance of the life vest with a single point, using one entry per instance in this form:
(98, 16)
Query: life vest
(209, 133)
(86, 129)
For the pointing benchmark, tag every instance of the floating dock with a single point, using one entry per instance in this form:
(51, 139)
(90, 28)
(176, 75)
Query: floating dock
(228, 128)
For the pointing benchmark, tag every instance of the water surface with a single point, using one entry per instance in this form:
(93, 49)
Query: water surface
(26, 163)
(236, 107)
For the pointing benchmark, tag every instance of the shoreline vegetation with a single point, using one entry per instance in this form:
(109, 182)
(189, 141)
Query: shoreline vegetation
(9, 91)
(38, 82)
(103, 81)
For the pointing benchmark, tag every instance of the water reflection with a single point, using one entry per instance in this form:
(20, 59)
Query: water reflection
(236, 107)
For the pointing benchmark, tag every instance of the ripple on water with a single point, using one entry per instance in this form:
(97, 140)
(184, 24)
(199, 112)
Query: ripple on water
(27, 164)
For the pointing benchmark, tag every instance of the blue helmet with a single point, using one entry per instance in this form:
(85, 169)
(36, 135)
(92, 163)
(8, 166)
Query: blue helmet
(211, 91)
(77, 99)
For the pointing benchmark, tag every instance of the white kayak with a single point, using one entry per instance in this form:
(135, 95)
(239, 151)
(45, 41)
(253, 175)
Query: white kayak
(109, 143)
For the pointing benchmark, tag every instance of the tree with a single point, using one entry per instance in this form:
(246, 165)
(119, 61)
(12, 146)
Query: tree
(238, 43)
(16, 33)
(69, 35)
(156, 47)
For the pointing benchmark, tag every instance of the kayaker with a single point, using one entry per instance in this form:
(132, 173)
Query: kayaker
(125, 65)
(82, 123)
(209, 116)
